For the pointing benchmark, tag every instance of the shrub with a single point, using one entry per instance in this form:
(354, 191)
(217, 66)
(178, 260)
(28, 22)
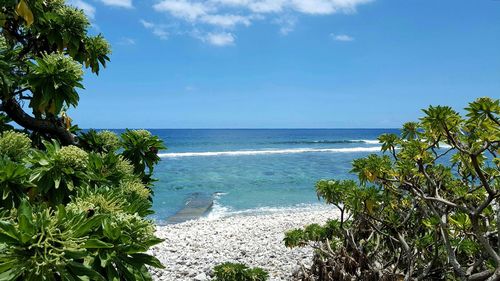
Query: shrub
(425, 209)
(45, 243)
(85, 220)
(71, 207)
(71, 157)
(14, 183)
(238, 272)
(109, 169)
(14, 145)
(101, 142)
(141, 148)
(56, 171)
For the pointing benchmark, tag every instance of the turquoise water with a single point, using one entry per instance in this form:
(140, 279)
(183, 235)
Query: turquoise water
(254, 170)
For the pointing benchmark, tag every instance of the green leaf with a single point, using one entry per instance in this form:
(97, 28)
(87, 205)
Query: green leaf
(25, 218)
(23, 10)
(11, 275)
(110, 231)
(140, 259)
(81, 270)
(88, 225)
(9, 230)
(7, 265)
(57, 182)
(97, 244)
(112, 274)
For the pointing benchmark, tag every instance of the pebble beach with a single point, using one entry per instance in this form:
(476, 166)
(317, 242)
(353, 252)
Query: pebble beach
(191, 249)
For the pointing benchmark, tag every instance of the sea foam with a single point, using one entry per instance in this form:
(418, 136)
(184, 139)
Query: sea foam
(219, 211)
(270, 151)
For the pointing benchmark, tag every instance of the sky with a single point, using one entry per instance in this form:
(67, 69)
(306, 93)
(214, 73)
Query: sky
(287, 63)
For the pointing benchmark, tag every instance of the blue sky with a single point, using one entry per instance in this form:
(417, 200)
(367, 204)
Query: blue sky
(288, 63)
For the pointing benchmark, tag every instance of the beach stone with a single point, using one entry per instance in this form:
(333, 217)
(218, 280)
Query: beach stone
(191, 249)
(201, 277)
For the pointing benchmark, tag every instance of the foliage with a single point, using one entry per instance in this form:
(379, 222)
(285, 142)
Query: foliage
(102, 142)
(14, 145)
(141, 148)
(4, 123)
(64, 75)
(44, 243)
(14, 182)
(44, 46)
(71, 207)
(238, 272)
(87, 212)
(426, 208)
(56, 171)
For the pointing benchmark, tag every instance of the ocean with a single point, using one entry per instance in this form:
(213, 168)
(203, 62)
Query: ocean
(249, 171)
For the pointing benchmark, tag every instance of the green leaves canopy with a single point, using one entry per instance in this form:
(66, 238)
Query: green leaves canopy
(53, 81)
(428, 206)
(43, 47)
(68, 212)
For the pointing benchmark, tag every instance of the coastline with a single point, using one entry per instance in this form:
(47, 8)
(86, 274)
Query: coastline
(191, 249)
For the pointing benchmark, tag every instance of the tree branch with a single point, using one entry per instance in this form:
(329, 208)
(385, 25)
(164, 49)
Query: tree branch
(20, 91)
(484, 242)
(481, 175)
(54, 128)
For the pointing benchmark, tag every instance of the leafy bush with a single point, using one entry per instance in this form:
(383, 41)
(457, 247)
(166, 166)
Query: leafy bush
(14, 145)
(56, 171)
(141, 148)
(4, 123)
(14, 183)
(101, 142)
(67, 212)
(238, 272)
(71, 207)
(427, 208)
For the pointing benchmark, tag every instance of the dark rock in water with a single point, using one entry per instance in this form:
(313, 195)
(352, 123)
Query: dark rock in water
(196, 205)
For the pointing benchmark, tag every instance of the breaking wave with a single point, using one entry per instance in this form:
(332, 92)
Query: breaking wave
(327, 142)
(270, 151)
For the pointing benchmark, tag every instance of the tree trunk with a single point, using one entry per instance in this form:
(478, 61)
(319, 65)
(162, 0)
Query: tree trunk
(55, 128)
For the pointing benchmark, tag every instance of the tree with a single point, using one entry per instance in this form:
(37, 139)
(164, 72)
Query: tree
(43, 48)
(428, 207)
(71, 207)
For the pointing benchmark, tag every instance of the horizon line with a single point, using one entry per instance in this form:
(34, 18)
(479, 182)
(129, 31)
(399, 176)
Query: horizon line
(136, 128)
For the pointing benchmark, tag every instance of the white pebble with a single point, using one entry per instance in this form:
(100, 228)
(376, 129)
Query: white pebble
(191, 249)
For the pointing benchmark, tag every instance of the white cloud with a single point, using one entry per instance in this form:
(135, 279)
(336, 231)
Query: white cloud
(183, 9)
(267, 6)
(118, 3)
(160, 33)
(260, 6)
(324, 7)
(88, 9)
(286, 24)
(226, 21)
(126, 41)
(147, 24)
(342, 37)
(327, 7)
(158, 30)
(213, 18)
(219, 39)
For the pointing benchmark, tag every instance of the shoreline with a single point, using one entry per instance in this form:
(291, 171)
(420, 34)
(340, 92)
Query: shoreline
(191, 249)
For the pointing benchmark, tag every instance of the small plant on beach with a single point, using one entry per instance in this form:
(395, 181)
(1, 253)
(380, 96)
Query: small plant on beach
(238, 272)
(427, 208)
(72, 207)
